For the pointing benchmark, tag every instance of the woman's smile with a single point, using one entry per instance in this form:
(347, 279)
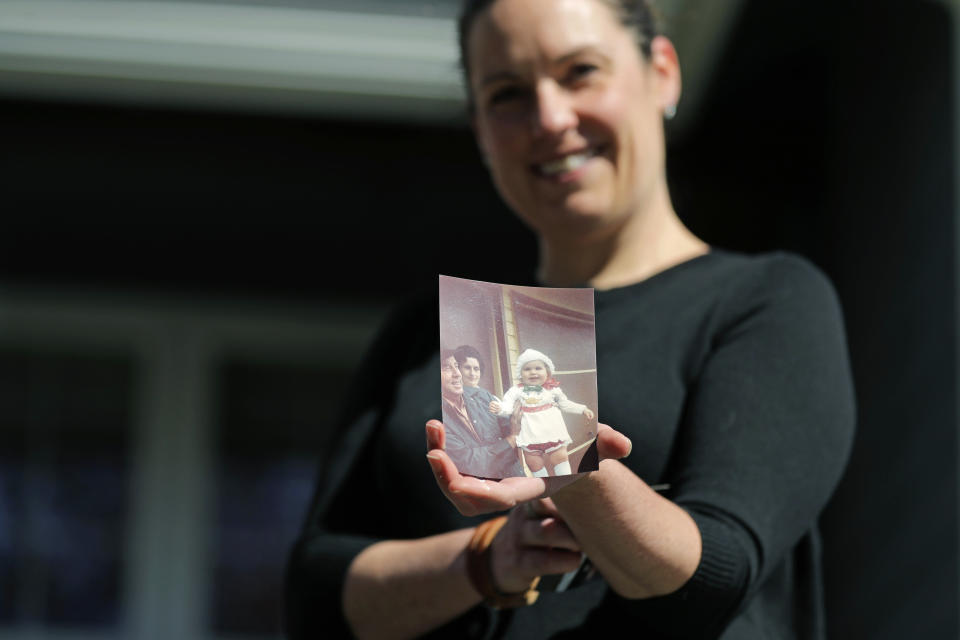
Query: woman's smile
(566, 167)
(470, 370)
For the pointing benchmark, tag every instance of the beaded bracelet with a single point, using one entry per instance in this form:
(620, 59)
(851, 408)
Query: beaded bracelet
(480, 569)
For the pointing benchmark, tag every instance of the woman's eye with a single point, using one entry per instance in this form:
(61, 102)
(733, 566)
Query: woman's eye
(581, 70)
(505, 95)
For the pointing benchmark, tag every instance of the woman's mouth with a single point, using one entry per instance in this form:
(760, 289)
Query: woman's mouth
(566, 164)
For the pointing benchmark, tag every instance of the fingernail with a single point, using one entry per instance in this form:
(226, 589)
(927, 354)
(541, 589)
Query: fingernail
(434, 461)
(629, 448)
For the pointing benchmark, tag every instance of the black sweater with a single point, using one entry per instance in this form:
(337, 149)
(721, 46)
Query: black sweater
(729, 374)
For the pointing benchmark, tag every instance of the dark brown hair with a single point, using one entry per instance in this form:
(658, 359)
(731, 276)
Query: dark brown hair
(465, 351)
(637, 16)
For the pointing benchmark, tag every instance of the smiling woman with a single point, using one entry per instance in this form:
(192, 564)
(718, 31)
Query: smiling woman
(567, 110)
(727, 372)
(471, 365)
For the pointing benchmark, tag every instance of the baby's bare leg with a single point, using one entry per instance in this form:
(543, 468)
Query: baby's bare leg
(533, 460)
(558, 456)
(559, 462)
(534, 463)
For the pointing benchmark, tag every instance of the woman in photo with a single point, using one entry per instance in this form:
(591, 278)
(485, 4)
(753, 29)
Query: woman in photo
(478, 398)
(471, 365)
(727, 374)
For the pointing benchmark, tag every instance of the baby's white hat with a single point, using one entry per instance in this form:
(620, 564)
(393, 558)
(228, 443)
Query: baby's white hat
(529, 356)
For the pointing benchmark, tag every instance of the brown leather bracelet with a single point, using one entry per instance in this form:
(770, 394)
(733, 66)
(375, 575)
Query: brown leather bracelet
(480, 569)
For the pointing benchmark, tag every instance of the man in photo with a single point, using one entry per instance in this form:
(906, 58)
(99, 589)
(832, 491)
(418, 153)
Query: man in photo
(473, 439)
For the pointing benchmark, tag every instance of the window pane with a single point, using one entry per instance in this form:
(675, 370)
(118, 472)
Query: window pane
(63, 477)
(272, 432)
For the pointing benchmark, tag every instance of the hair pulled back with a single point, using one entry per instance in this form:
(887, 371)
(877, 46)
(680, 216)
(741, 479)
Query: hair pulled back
(465, 351)
(637, 16)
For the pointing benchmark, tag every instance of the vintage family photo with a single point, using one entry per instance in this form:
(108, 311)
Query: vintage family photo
(518, 378)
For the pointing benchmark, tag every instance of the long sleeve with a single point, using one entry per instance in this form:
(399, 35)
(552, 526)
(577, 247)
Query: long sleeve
(509, 401)
(766, 432)
(488, 457)
(730, 375)
(565, 404)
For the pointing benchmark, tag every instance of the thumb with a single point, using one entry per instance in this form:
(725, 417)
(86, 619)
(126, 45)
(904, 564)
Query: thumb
(611, 444)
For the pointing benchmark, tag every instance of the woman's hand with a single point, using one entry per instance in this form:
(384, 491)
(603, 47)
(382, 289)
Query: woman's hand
(472, 496)
(534, 542)
(494, 406)
(588, 414)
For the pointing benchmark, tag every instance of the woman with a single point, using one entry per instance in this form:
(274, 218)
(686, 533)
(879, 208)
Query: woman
(479, 398)
(471, 366)
(728, 374)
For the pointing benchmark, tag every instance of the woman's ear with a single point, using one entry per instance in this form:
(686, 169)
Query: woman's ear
(666, 66)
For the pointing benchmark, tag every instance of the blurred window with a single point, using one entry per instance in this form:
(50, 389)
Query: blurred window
(64, 472)
(273, 427)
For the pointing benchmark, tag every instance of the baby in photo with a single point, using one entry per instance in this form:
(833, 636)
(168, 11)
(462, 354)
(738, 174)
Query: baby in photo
(537, 402)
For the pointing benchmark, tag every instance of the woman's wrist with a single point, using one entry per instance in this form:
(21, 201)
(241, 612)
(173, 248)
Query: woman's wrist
(408, 587)
(583, 487)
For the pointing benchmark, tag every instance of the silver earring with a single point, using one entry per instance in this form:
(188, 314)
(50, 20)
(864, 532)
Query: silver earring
(670, 111)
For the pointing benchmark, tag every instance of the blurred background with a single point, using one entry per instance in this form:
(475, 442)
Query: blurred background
(208, 207)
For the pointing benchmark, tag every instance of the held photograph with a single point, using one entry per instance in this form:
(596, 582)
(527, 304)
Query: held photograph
(518, 379)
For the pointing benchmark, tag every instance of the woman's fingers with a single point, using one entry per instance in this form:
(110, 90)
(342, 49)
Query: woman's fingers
(514, 573)
(473, 496)
(436, 436)
(531, 545)
(611, 444)
(535, 543)
(542, 508)
(470, 495)
(548, 532)
(541, 561)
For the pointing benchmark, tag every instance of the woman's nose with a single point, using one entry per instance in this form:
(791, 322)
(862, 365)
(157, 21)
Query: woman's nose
(555, 113)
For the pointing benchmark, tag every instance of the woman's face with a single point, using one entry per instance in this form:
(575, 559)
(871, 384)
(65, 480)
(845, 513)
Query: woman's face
(470, 369)
(569, 113)
(534, 372)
